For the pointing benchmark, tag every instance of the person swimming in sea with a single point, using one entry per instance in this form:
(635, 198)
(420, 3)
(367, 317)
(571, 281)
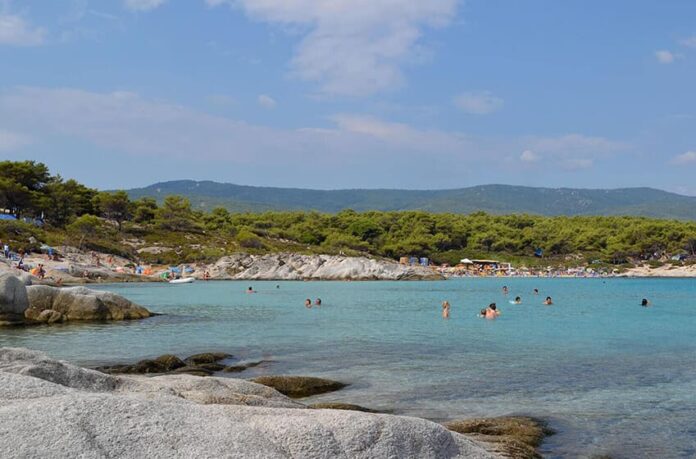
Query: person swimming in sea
(251, 290)
(492, 311)
(548, 301)
(506, 290)
(518, 300)
(645, 303)
(536, 291)
(482, 314)
(445, 310)
(308, 303)
(317, 302)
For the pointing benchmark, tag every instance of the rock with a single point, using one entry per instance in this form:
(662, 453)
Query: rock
(244, 366)
(13, 300)
(341, 406)
(53, 409)
(291, 266)
(207, 357)
(170, 362)
(299, 386)
(80, 303)
(514, 437)
(193, 370)
(50, 316)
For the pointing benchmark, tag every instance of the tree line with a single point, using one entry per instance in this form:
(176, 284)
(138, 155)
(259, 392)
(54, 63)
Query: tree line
(27, 189)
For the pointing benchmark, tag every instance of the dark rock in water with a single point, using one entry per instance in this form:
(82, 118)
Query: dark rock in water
(147, 366)
(170, 362)
(299, 386)
(193, 370)
(207, 357)
(341, 406)
(245, 366)
(210, 366)
(514, 437)
(13, 300)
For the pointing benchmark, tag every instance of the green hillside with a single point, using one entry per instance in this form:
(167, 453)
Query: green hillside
(496, 199)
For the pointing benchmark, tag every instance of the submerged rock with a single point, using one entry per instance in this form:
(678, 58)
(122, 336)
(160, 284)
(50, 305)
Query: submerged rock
(244, 366)
(299, 386)
(80, 303)
(53, 409)
(341, 406)
(206, 357)
(169, 363)
(515, 437)
(13, 300)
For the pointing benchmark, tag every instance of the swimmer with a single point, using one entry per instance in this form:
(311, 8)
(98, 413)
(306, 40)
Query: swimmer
(645, 303)
(445, 310)
(482, 314)
(536, 291)
(308, 303)
(518, 300)
(251, 290)
(548, 301)
(506, 290)
(492, 311)
(317, 302)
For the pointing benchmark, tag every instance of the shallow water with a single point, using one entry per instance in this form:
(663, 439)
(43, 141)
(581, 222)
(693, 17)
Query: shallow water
(610, 376)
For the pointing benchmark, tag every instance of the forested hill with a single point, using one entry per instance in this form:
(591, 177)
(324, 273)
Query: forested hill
(496, 199)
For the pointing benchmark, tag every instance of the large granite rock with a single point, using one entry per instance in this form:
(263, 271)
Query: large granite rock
(290, 266)
(53, 409)
(79, 303)
(13, 299)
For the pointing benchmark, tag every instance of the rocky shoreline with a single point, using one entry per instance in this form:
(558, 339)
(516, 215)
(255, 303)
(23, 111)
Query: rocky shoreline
(87, 413)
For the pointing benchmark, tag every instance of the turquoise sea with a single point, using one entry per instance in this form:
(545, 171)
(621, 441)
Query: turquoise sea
(610, 376)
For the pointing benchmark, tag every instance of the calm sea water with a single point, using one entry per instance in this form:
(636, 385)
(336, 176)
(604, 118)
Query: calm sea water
(610, 376)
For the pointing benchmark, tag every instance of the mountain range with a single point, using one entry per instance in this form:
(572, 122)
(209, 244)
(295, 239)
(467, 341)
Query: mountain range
(495, 199)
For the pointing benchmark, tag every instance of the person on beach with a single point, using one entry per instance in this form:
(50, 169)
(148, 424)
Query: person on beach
(6, 250)
(645, 303)
(308, 303)
(548, 301)
(518, 300)
(445, 310)
(492, 311)
(206, 275)
(317, 302)
(506, 290)
(251, 290)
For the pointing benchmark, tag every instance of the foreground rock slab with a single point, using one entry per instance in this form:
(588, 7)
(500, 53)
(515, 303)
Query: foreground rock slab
(79, 303)
(300, 386)
(53, 409)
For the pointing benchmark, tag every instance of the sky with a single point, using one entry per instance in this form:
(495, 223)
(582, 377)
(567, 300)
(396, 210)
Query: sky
(353, 93)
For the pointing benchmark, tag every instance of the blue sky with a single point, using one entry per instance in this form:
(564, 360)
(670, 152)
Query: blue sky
(353, 93)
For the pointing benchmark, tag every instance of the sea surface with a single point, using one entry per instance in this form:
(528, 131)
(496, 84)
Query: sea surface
(610, 376)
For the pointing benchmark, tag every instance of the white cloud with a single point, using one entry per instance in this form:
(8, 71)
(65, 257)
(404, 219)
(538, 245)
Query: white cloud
(352, 47)
(685, 158)
(478, 103)
(664, 56)
(142, 5)
(15, 31)
(689, 42)
(528, 156)
(267, 101)
(11, 140)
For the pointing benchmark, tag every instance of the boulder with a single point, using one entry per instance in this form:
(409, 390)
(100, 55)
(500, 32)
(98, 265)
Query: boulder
(13, 299)
(300, 386)
(80, 303)
(50, 316)
(53, 409)
(170, 362)
(206, 357)
(244, 366)
(514, 436)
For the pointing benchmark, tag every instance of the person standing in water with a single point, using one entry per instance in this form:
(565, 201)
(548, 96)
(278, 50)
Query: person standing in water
(317, 302)
(308, 303)
(548, 301)
(445, 310)
(492, 311)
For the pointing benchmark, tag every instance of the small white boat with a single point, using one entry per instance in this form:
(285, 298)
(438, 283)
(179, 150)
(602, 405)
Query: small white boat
(185, 280)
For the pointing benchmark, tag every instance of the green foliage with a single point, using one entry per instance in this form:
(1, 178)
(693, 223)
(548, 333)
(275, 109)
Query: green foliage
(176, 215)
(114, 206)
(249, 240)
